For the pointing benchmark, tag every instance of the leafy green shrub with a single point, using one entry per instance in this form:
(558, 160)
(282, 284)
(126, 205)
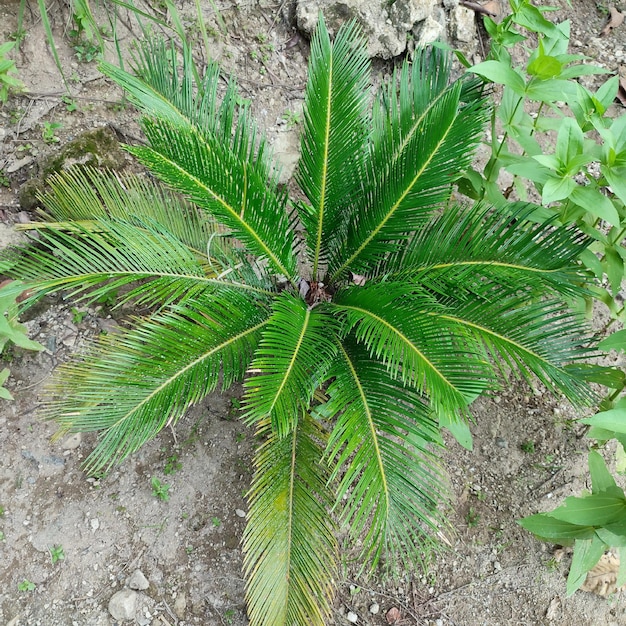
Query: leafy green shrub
(8, 80)
(553, 134)
(11, 329)
(567, 148)
(362, 318)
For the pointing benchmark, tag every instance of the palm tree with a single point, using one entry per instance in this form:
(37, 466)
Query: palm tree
(362, 318)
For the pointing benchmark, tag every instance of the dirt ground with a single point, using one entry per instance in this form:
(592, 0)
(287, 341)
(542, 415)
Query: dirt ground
(528, 454)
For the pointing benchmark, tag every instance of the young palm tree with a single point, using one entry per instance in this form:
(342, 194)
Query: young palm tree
(362, 318)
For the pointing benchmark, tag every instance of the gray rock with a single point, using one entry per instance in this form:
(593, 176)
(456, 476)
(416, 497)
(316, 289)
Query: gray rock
(72, 442)
(138, 581)
(286, 148)
(464, 24)
(123, 604)
(384, 38)
(180, 605)
(430, 30)
(405, 14)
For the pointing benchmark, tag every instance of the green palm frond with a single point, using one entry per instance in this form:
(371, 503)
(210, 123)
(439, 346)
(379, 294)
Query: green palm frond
(468, 245)
(93, 260)
(411, 169)
(233, 191)
(164, 88)
(85, 194)
(390, 483)
(334, 140)
(294, 354)
(135, 382)
(535, 339)
(419, 349)
(290, 552)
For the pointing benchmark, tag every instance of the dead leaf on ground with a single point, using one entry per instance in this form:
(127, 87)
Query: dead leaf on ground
(554, 610)
(393, 615)
(602, 579)
(615, 19)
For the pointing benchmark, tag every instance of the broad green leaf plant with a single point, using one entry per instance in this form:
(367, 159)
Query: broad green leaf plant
(362, 314)
(554, 134)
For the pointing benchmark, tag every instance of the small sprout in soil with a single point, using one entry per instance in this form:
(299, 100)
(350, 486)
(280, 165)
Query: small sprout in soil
(481, 496)
(2, 510)
(159, 489)
(78, 316)
(56, 554)
(2, 537)
(228, 616)
(472, 518)
(239, 437)
(528, 447)
(216, 521)
(70, 104)
(184, 516)
(188, 549)
(4, 179)
(552, 564)
(172, 465)
(48, 132)
(26, 585)
(292, 118)
(107, 299)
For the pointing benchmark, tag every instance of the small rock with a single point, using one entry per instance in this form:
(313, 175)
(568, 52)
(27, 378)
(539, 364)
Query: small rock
(393, 615)
(122, 605)
(72, 442)
(240, 513)
(180, 604)
(95, 524)
(352, 617)
(374, 608)
(502, 443)
(138, 581)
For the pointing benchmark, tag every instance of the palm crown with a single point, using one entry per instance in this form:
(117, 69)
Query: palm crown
(362, 318)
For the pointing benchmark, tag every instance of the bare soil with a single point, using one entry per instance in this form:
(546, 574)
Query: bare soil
(529, 452)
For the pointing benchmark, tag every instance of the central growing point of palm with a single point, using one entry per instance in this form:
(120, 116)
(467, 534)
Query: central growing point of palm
(362, 318)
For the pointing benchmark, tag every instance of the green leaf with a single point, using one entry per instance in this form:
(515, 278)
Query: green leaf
(595, 203)
(612, 420)
(597, 509)
(458, 428)
(586, 555)
(291, 362)
(616, 177)
(5, 394)
(389, 482)
(333, 143)
(133, 383)
(549, 91)
(556, 189)
(569, 142)
(614, 267)
(290, 552)
(616, 341)
(548, 528)
(499, 72)
(231, 189)
(410, 343)
(420, 146)
(601, 478)
(545, 67)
